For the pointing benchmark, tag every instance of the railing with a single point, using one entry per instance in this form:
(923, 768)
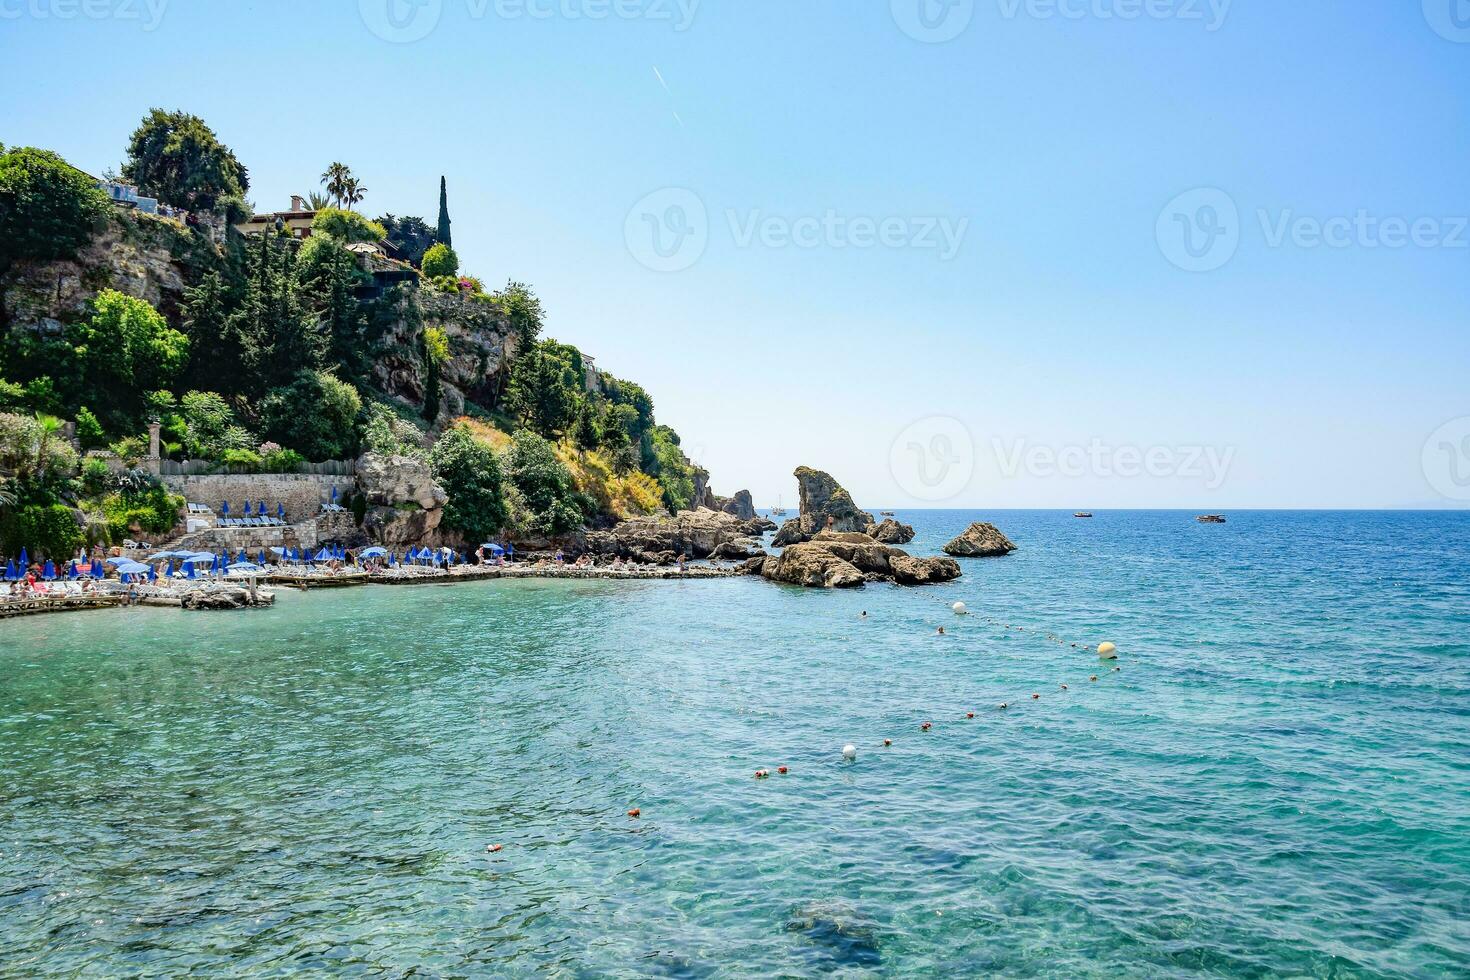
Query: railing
(203, 467)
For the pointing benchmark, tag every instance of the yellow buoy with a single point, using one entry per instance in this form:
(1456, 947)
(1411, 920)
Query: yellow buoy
(1107, 651)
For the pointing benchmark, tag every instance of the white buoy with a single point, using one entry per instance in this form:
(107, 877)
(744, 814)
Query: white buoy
(959, 609)
(849, 752)
(1107, 651)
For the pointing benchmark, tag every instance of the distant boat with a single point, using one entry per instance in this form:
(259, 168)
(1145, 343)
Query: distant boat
(885, 513)
(1210, 519)
(1082, 513)
(778, 510)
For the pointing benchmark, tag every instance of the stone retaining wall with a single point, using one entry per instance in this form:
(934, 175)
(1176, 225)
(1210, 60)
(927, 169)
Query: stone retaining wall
(302, 493)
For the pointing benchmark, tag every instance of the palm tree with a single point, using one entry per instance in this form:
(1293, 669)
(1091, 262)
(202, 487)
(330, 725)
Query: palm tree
(336, 178)
(7, 495)
(353, 192)
(316, 200)
(48, 427)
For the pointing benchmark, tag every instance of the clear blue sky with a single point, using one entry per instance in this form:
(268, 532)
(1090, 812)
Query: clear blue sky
(1060, 322)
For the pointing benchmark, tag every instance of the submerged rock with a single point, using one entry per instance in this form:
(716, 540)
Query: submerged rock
(230, 598)
(980, 540)
(848, 938)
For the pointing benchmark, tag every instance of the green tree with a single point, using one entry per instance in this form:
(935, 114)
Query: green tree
(408, 238)
(440, 260)
(470, 474)
(545, 388)
(210, 428)
(47, 207)
(445, 237)
(335, 178)
(222, 348)
(522, 310)
(316, 414)
(89, 430)
(127, 349)
(544, 484)
(328, 278)
(348, 226)
(176, 158)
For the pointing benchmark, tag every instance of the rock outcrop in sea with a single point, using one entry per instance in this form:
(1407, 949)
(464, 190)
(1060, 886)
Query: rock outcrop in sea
(980, 540)
(701, 533)
(825, 506)
(891, 532)
(844, 559)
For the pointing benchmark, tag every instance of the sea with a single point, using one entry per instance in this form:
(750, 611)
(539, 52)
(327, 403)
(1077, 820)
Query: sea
(1272, 779)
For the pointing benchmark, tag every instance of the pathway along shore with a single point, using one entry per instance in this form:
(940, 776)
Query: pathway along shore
(37, 605)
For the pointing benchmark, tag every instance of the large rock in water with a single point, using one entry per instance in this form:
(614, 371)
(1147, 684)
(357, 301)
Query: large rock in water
(845, 559)
(892, 532)
(695, 533)
(813, 566)
(980, 540)
(742, 505)
(825, 506)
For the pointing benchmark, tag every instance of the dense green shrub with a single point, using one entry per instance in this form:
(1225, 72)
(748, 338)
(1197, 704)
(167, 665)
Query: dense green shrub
(176, 158)
(347, 226)
(96, 477)
(49, 530)
(151, 510)
(89, 430)
(247, 460)
(470, 474)
(441, 260)
(47, 207)
(316, 414)
(552, 503)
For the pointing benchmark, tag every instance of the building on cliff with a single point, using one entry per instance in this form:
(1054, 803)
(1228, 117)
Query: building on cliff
(297, 220)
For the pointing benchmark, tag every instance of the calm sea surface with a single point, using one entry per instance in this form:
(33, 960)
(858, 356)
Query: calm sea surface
(1277, 782)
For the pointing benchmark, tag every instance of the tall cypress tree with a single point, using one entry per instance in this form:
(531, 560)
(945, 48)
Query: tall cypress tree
(443, 234)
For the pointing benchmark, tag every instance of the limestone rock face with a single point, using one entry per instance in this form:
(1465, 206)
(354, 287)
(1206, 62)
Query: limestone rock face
(825, 506)
(694, 533)
(742, 505)
(980, 540)
(405, 505)
(892, 532)
(813, 566)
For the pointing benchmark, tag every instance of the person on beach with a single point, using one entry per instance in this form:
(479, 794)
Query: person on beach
(559, 556)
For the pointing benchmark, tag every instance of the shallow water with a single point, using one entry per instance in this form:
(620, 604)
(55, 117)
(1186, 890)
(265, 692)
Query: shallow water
(1276, 782)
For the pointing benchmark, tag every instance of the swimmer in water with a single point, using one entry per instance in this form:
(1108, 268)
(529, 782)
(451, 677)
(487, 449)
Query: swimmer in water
(864, 615)
(941, 631)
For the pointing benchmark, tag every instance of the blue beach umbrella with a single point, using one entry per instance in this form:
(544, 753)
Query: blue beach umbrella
(189, 571)
(373, 552)
(11, 574)
(224, 509)
(261, 508)
(49, 572)
(97, 570)
(25, 560)
(334, 495)
(281, 511)
(153, 573)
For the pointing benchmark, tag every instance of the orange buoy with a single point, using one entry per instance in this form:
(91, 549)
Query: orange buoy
(492, 848)
(635, 812)
(762, 773)
(781, 770)
(1036, 697)
(969, 714)
(888, 741)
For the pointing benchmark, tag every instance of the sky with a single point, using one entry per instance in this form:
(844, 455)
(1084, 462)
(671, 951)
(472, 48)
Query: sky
(959, 253)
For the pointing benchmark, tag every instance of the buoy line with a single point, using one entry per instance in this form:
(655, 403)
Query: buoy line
(960, 609)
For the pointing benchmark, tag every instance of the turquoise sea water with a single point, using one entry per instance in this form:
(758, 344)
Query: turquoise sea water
(1276, 783)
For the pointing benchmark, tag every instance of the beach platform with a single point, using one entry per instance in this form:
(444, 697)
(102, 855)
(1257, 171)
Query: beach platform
(36, 605)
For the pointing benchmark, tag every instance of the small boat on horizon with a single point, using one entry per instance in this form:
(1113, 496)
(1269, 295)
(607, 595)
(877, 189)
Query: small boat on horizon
(885, 513)
(778, 510)
(1082, 513)
(1211, 519)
